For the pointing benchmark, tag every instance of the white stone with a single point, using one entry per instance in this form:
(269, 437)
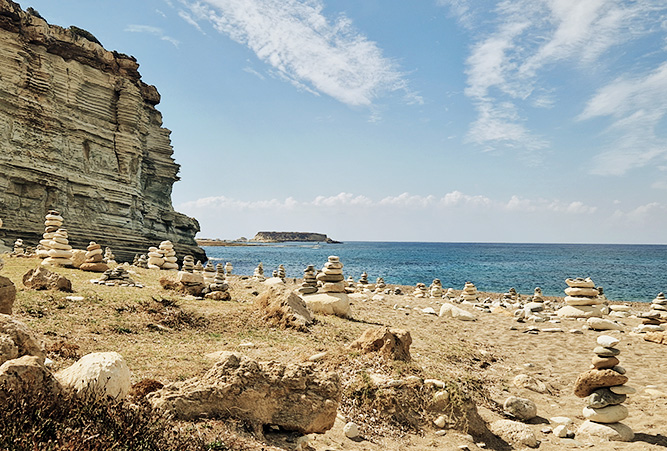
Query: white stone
(560, 431)
(441, 421)
(583, 311)
(611, 432)
(522, 409)
(561, 420)
(97, 375)
(608, 341)
(462, 315)
(609, 414)
(351, 430)
(429, 310)
(603, 324)
(329, 303)
(514, 432)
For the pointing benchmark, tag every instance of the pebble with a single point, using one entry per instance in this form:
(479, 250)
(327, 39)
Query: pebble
(351, 430)
(607, 341)
(552, 329)
(623, 390)
(606, 352)
(561, 420)
(317, 357)
(441, 421)
(560, 431)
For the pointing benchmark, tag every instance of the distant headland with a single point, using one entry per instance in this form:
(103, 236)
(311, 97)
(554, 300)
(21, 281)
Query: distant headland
(270, 237)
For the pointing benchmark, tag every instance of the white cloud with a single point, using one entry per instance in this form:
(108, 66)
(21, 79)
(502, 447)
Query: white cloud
(155, 31)
(342, 199)
(641, 214)
(294, 37)
(188, 18)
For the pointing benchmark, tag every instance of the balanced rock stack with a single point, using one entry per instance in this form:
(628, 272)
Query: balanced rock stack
(228, 269)
(332, 276)
(511, 296)
(142, 261)
(18, 247)
(169, 255)
(350, 282)
(659, 305)
(332, 298)
(218, 290)
(281, 272)
(363, 281)
(582, 299)
(379, 284)
(109, 258)
(450, 294)
(199, 268)
(436, 288)
(94, 258)
(60, 252)
(604, 388)
(258, 275)
(52, 222)
(116, 277)
(469, 292)
(421, 291)
(537, 295)
(209, 273)
(186, 275)
(652, 321)
(155, 258)
(309, 285)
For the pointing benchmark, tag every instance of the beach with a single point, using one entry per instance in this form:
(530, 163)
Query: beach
(482, 356)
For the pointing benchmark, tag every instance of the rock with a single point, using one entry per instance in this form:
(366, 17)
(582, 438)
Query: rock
(601, 363)
(591, 380)
(97, 375)
(295, 397)
(623, 390)
(610, 432)
(391, 343)
(603, 324)
(561, 431)
(27, 373)
(514, 432)
(42, 279)
(455, 312)
(78, 257)
(604, 397)
(609, 414)
(530, 383)
(284, 309)
(657, 337)
(606, 352)
(18, 340)
(522, 409)
(328, 303)
(583, 311)
(351, 430)
(607, 341)
(7, 295)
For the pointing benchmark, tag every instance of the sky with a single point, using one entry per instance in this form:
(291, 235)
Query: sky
(393, 120)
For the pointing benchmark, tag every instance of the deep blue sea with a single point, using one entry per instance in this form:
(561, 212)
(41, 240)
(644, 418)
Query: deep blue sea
(626, 272)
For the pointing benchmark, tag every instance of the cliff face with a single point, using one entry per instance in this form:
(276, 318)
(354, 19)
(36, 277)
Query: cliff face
(279, 237)
(79, 133)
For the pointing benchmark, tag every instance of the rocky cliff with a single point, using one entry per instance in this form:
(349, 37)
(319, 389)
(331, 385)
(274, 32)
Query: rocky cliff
(279, 237)
(79, 133)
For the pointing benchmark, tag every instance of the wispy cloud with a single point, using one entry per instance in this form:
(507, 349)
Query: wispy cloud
(532, 39)
(327, 55)
(188, 18)
(155, 31)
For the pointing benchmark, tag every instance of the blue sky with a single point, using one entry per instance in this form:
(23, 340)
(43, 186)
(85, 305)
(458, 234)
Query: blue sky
(429, 120)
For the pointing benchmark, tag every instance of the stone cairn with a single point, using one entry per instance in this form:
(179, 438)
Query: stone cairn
(60, 252)
(421, 291)
(109, 258)
(116, 277)
(94, 258)
(380, 285)
(142, 261)
(581, 299)
(52, 222)
(169, 254)
(19, 249)
(363, 281)
(258, 275)
(199, 268)
(436, 289)
(135, 260)
(155, 258)
(218, 290)
(604, 390)
(349, 283)
(186, 275)
(469, 292)
(511, 296)
(228, 269)
(652, 321)
(281, 272)
(209, 273)
(450, 294)
(537, 295)
(309, 285)
(331, 276)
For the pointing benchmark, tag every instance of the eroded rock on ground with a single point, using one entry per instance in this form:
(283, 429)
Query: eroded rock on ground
(16, 340)
(296, 397)
(284, 309)
(391, 343)
(41, 278)
(7, 295)
(97, 375)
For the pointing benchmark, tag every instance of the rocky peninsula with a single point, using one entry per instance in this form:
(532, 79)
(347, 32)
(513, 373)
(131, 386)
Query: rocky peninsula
(281, 237)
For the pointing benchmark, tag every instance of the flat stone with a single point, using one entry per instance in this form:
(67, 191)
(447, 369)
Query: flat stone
(514, 432)
(606, 352)
(618, 432)
(609, 414)
(591, 380)
(623, 389)
(329, 303)
(583, 311)
(603, 324)
(601, 363)
(604, 397)
(607, 341)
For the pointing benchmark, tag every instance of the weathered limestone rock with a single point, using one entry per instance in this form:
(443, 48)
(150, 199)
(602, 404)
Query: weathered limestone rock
(285, 309)
(296, 397)
(97, 375)
(617, 432)
(329, 304)
(80, 133)
(27, 373)
(7, 295)
(390, 343)
(591, 380)
(522, 409)
(18, 340)
(42, 279)
(514, 432)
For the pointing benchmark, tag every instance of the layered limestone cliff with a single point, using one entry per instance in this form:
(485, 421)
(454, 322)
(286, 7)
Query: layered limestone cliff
(79, 133)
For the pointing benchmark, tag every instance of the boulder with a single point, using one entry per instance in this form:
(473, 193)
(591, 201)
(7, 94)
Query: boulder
(329, 304)
(7, 295)
(618, 432)
(97, 375)
(514, 432)
(609, 414)
(296, 397)
(43, 279)
(582, 311)
(18, 340)
(284, 309)
(27, 373)
(591, 380)
(78, 257)
(522, 409)
(391, 343)
(453, 311)
(603, 324)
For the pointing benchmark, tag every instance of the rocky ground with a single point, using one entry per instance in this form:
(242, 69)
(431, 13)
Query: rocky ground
(170, 337)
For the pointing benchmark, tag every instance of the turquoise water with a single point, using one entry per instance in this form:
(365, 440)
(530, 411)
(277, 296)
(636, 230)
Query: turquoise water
(627, 272)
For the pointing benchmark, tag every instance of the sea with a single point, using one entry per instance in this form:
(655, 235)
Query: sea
(627, 272)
